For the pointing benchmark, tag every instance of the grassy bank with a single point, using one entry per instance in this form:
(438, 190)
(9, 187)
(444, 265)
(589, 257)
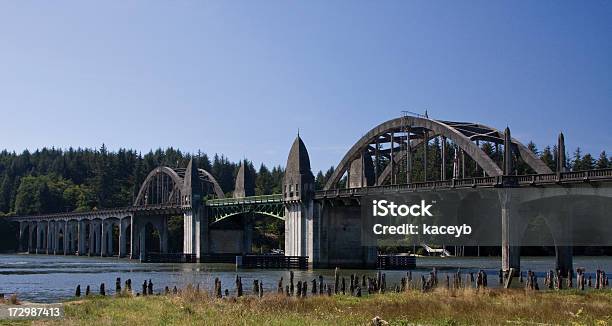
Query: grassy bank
(491, 307)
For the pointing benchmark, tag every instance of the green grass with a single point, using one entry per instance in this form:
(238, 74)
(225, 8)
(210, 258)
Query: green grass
(492, 307)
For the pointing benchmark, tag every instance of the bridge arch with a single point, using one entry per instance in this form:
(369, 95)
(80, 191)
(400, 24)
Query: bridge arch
(462, 134)
(167, 186)
(262, 213)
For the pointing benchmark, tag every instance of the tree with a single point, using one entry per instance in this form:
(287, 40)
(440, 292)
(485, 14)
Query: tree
(588, 162)
(577, 160)
(603, 161)
(548, 158)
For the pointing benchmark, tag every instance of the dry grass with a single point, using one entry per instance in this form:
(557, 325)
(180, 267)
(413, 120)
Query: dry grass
(441, 307)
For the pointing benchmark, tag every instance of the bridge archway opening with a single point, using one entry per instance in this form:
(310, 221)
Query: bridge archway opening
(113, 244)
(34, 237)
(24, 237)
(263, 232)
(128, 240)
(88, 237)
(60, 240)
(152, 238)
(176, 231)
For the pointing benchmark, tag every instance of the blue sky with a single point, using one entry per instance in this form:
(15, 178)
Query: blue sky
(240, 77)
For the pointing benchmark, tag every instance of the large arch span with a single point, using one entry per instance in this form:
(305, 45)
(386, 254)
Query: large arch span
(390, 139)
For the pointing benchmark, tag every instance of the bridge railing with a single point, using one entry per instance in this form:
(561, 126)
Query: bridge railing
(530, 179)
(245, 200)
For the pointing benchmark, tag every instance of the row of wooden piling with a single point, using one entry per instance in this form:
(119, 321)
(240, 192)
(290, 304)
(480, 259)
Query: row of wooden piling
(377, 284)
(555, 280)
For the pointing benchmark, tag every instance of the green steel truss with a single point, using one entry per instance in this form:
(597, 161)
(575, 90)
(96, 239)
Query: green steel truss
(271, 205)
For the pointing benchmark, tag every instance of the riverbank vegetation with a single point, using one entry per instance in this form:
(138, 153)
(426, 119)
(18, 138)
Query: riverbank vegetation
(439, 307)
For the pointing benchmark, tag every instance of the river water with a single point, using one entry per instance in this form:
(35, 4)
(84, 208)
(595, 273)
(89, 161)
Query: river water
(42, 278)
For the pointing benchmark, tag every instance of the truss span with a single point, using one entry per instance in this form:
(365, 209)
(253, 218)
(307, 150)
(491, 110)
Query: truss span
(390, 139)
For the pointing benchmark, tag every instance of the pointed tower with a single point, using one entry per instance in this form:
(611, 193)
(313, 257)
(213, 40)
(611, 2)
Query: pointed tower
(245, 185)
(301, 228)
(508, 166)
(298, 183)
(192, 186)
(561, 159)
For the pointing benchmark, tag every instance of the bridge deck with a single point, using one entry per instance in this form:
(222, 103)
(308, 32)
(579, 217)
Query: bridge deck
(227, 206)
(264, 199)
(478, 182)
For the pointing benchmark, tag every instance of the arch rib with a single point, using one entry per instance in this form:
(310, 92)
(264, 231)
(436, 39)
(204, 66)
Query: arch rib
(437, 127)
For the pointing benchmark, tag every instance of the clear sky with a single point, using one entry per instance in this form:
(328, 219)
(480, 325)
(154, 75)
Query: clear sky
(240, 77)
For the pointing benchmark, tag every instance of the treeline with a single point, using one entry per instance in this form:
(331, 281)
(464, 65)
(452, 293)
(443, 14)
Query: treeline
(55, 180)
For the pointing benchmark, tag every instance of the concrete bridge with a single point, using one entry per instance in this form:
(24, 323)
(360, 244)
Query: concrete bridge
(323, 225)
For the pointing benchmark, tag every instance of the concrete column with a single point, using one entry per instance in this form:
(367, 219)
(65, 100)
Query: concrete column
(141, 240)
(511, 251)
(72, 235)
(192, 229)
(38, 237)
(103, 237)
(187, 233)
(30, 237)
(53, 236)
(66, 237)
(49, 238)
(81, 241)
(56, 227)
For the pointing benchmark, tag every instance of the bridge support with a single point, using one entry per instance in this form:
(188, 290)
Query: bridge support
(81, 238)
(103, 238)
(511, 250)
(49, 237)
(192, 231)
(39, 237)
(124, 223)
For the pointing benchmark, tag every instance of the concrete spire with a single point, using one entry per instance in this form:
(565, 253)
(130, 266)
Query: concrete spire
(245, 185)
(508, 166)
(191, 184)
(561, 159)
(298, 180)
